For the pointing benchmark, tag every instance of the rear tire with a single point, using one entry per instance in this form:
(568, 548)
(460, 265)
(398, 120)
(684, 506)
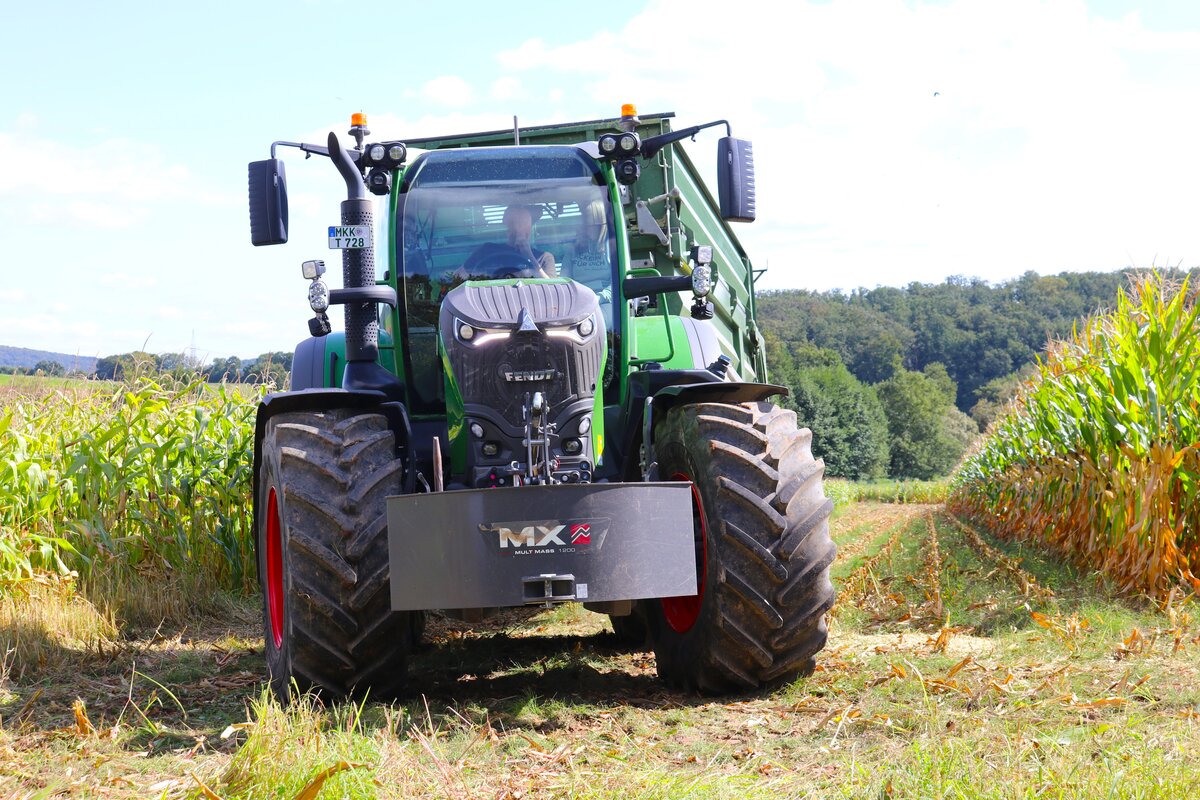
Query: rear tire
(323, 559)
(763, 549)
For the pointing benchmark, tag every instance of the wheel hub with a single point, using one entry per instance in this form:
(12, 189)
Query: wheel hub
(274, 571)
(682, 612)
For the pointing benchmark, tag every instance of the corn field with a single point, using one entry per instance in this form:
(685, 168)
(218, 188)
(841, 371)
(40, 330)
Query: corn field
(144, 478)
(1098, 457)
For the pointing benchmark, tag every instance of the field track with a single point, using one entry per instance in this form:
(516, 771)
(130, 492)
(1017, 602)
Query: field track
(958, 665)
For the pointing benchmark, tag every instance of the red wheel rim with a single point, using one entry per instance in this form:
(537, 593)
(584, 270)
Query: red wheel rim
(682, 612)
(274, 571)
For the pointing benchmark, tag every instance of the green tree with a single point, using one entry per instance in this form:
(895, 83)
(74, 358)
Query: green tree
(108, 367)
(47, 367)
(118, 367)
(995, 395)
(272, 367)
(924, 439)
(979, 331)
(847, 421)
(224, 369)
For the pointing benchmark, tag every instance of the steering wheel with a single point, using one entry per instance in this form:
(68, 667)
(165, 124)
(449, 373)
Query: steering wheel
(515, 273)
(499, 263)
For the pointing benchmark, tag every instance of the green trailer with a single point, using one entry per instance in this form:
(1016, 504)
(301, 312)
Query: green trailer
(550, 388)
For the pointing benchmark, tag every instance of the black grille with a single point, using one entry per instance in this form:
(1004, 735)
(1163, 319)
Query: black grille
(499, 373)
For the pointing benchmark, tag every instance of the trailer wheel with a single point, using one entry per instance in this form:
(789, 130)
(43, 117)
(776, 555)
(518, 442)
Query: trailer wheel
(323, 561)
(762, 549)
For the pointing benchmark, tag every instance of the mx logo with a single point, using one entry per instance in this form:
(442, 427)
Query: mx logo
(581, 534)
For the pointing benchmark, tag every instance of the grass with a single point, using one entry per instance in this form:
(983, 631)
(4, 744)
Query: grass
(844, 492)
(961, 666)
(39, 383)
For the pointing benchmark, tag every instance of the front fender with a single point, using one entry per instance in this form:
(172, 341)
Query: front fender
(722, 392)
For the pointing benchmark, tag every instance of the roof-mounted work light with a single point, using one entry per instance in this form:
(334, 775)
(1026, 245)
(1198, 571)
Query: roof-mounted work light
(619, 145)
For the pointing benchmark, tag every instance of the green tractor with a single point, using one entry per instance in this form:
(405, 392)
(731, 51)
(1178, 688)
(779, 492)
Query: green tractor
(550, 388)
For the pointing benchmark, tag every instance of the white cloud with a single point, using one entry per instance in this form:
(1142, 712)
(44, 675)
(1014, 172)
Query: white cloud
(448, 90)
(110, 183)
(249, 328)
(123, 280)
(53, 332)
(105, 216)
(1057, 139)
(172, 312)
(505, 88)
(119, 168)
(1045, 147)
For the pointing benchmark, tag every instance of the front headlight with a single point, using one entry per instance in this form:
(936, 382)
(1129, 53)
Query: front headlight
(701, 281)
(477, 337)
(576, 333)
(318, 296)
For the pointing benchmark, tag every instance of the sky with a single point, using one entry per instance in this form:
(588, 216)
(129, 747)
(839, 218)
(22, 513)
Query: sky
(895, 141)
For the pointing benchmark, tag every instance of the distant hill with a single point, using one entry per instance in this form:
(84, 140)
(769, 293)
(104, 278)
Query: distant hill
(24, 357)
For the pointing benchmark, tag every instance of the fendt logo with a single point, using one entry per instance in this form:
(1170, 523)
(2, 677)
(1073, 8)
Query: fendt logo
(554, 536)
(530, 375)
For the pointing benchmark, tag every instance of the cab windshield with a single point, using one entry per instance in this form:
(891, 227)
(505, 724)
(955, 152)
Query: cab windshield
(493, 214)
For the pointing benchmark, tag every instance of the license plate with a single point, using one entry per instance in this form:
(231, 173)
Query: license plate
(349, 237)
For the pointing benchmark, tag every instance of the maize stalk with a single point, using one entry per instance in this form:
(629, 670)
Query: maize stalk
(1098, 457)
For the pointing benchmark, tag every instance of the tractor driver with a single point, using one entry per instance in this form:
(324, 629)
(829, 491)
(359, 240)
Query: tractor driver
(516, 258)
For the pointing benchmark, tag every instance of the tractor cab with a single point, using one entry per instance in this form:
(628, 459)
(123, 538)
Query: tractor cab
(482, 215)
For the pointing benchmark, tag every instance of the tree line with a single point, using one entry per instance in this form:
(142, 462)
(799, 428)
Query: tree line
(899, 381)
(274, 367)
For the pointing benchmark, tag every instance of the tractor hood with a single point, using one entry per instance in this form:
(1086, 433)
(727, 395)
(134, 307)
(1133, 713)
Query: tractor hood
(521, 352)
(553, 304)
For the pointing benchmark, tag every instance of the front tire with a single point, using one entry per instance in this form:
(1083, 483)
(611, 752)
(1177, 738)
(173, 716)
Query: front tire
(323, 561)
(763, 549)
(631, 628)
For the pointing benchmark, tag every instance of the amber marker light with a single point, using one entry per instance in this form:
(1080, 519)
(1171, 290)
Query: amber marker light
(628, 110)
(358, 119)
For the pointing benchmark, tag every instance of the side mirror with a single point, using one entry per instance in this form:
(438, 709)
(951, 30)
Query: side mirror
(268, 202)
(735, 179)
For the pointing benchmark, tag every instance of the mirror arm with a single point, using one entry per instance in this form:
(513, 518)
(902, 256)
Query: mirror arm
(311, 149)
(651, 146)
